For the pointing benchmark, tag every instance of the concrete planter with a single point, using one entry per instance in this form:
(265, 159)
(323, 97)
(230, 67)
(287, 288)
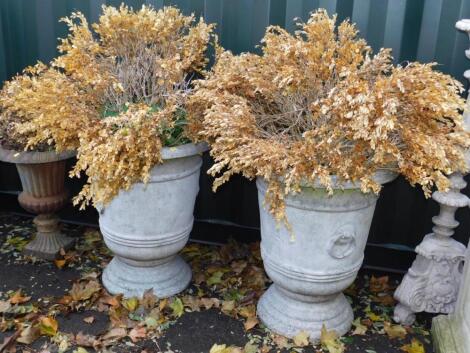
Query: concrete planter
(42, 178)
(146, 226)
(311, 270)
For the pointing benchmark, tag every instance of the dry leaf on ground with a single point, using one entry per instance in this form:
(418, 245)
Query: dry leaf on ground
(330, 341)
(414, 347)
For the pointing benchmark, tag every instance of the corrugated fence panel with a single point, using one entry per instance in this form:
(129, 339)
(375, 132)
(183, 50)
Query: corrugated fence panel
(415, 29)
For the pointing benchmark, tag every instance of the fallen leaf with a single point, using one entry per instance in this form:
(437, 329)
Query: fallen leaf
(191, 302)
(208, 303)
(301, 339)
(378, 284)
(65, 300)
(250, 348)
(384, 299)
(216, 278)
(89, 319)
(371, 315)
(80, 350)
(247, 311)
(367, 322)
(250, 323)
(228, 306)
(394, 331)
(18, 298)
(48, 326)
(136, 333)
(216, 348)
(131, 304)
(8, 344)
(28, 335)
(84, 290)
(4, 306)
(149, 299)
(281, 341)
(359, 328)
(151, 322)
(62, 342)
(17, 242)
(414, 347)
(85, 340)
(113, 335)
(330, 341)
(113, 301)
(238, 266)
(177, 307)
(60, 263)
(163, 303)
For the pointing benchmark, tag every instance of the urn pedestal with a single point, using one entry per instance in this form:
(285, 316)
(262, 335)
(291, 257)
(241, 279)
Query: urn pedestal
(432, 283)
(320, 258)
(42, 177)
(451, 333)
(146, 226)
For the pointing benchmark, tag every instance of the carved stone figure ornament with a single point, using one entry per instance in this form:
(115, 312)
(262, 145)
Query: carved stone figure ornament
(432, 283)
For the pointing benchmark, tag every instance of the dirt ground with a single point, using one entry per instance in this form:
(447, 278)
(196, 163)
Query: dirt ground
(61, 306)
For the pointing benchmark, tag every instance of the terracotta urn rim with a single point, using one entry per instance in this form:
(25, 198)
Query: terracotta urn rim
(33, 157)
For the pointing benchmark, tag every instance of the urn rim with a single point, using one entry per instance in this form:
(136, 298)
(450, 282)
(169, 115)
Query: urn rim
(381, 176)
(186, 150)
(33, 157)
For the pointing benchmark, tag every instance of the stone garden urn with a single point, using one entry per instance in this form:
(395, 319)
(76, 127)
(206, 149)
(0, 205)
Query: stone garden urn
(146, 226)
(311, 266)
(42, 177)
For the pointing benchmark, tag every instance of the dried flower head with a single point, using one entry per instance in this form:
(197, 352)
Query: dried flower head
(139, 64)
(318, 103)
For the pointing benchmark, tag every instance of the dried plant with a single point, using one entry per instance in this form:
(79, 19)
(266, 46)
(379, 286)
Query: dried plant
(41, 110)
(318, 104)
(139, 64)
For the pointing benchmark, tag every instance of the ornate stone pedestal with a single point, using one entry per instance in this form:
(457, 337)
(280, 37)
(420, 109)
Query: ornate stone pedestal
(451, 333)
(433, 281)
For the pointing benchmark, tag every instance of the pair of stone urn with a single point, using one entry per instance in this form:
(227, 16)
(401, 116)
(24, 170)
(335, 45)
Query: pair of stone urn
(146, 226)
(42, 177)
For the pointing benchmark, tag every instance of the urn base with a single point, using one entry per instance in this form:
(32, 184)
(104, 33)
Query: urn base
(288, 314)
(166, 279)
(48, 240)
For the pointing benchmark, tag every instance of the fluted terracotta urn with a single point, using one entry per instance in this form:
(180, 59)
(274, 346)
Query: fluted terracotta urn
(42, 177)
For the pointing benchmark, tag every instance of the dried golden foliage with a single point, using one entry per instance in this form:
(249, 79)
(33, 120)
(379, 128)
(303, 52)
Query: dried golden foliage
(120, 146)
(139, 64)
(318, 104)
(42, 108)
